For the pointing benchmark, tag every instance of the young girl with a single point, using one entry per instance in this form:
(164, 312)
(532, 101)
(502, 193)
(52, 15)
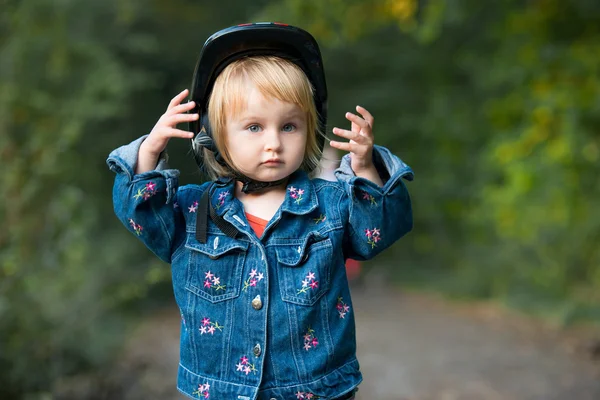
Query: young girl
(258, 253)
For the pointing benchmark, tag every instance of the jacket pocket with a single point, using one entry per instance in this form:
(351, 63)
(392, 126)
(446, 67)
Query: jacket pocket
(215, 268)
(304, 270)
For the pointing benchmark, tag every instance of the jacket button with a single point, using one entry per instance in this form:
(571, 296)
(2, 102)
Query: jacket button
(257, 303)
(257, 350)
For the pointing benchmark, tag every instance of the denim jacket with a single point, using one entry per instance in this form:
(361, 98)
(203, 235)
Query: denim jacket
(270, 317)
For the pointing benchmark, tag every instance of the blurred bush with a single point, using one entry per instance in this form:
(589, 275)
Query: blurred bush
(494, 105)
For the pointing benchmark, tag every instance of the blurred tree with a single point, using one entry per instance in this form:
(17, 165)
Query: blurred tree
(494, 104)
(78, 79)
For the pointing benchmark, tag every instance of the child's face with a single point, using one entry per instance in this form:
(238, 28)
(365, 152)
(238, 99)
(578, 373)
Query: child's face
(266, 140)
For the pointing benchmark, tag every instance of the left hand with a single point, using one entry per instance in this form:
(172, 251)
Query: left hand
(361, 141)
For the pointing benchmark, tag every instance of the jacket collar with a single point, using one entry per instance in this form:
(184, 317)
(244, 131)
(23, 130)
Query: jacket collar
(300, 197)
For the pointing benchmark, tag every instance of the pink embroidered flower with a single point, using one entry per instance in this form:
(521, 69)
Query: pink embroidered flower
(213, 281)
(202, 390)
(212, 326)
(310, 340)
(306, 395)
(308, 283)
(244, 366)
(296, 194)
(137, 228)
(342, 308)
(252, 281)
(146, 192)
(193, 207)
(221, 200)
(367, 196)
(373, 236)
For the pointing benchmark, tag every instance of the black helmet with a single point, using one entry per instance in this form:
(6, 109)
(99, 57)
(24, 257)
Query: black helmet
(257, 39)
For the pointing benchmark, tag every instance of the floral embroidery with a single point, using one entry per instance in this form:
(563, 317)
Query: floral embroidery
(321, 218)
(307, 395)
(342, 307)
(146, 192)
(202, 390)
(367, 196)
(221, 199)
(212, 326)
(309, 282)
(175, 205)
(253, 279)
(213, 281)
(193, 207)
(245, 366)
(310, 340)
(137, 228)
(373, 236)
(296, 194)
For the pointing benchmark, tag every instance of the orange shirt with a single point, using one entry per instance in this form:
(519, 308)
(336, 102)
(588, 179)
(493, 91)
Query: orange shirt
(258, 225)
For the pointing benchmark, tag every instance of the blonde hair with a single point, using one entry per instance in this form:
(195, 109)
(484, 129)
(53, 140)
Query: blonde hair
(273, 76)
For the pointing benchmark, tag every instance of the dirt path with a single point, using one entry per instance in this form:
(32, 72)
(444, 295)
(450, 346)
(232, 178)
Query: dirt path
(414, 347)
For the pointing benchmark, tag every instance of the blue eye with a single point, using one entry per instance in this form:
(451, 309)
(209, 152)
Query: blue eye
(289, 128)
(254, 128)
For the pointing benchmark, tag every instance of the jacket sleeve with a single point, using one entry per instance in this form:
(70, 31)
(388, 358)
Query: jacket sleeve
(378, 216)
(146, 203)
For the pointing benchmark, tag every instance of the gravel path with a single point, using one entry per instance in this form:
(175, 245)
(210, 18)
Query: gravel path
(415, 347)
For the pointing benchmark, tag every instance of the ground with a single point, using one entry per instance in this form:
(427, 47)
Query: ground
(415, 347)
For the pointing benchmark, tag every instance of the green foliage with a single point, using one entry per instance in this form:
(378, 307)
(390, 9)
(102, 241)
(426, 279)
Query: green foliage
(495, 106)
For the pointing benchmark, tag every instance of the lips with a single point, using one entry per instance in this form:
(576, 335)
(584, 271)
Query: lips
(273, 161)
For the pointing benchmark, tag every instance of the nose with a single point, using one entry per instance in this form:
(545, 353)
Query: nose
(272, 141)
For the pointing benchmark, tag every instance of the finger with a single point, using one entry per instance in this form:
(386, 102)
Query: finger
(345, 146)
(172, 120)
(364, 125)
(178, 133)
(177, 99)
(182, 108)
(366, 115)
(350, 135)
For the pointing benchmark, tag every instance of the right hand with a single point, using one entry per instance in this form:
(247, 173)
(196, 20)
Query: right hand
(165, 129)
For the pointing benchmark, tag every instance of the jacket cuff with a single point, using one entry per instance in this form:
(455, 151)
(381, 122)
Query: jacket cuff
(389, 167)
(123, 160)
